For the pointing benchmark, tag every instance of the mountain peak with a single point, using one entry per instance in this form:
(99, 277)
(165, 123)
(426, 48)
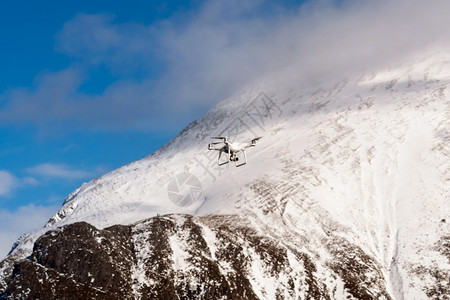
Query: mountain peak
(351, 174)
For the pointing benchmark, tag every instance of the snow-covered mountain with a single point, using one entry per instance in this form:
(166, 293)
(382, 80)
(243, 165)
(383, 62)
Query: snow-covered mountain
(346, 196)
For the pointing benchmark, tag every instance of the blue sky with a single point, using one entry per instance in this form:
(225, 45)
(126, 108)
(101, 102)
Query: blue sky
(88, 86)
(43, 159)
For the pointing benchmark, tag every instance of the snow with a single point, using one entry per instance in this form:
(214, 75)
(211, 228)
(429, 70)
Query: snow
(365, 157)
(210, 239)
(179, 252)
(142, 252)
(264, 286)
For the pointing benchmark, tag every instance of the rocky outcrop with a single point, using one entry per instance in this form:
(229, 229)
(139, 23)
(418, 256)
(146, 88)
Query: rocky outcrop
(186, 257)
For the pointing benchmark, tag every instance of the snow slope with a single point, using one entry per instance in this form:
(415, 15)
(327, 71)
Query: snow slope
(364, 158)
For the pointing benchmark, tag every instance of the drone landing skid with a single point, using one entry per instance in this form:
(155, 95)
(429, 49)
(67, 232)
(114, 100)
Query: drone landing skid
(223, 162)
(241, 164)
(232, 157)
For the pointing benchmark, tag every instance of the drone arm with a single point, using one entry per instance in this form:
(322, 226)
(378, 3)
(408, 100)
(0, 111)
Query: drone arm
(245, 146)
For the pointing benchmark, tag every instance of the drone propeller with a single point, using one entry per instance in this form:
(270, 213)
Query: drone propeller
(215, 143)
(255, 139)
(224, 138)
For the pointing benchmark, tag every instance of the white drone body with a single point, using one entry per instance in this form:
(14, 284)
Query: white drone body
(232, 149)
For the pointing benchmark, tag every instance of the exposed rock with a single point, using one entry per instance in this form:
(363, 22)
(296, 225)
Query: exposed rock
(185, 257)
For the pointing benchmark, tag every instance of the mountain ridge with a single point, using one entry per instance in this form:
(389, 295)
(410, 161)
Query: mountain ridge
(362, 160)
(173, 256)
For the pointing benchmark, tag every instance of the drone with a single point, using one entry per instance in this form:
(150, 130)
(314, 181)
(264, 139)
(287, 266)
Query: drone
(232, 149)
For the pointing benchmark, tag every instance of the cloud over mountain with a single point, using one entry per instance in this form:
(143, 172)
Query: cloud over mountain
(163, 75)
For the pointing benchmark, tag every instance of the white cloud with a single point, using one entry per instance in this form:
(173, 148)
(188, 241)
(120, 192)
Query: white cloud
(96, 39)
(21, 221)
(59, 170)
(30, 181)
(204, 56)
(7, 182)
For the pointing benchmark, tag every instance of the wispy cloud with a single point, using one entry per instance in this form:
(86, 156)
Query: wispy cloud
(59, 171)
(7, 182)
(204, 56)
(30, 181)
(51, 98)
(97, 39)
(10, 182)
(23, 220)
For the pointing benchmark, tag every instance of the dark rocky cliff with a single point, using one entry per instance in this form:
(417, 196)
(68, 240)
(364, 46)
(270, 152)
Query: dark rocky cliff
(185, 257)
